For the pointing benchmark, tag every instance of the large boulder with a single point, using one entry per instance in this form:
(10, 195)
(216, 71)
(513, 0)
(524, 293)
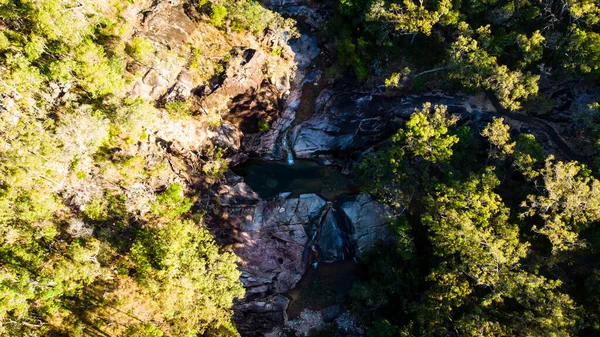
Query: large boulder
(244, 73)
(305, 50)
(368, 222)
(167, 23)
(275, 236)
(332, 240)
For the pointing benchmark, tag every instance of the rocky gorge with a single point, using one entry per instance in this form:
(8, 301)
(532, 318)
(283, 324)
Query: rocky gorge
(290, 229)
(281, 236)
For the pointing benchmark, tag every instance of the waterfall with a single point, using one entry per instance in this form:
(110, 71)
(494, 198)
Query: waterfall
(288, 149)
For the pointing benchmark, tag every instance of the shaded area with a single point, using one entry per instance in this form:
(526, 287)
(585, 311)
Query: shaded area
(324, 286)
(271, 178)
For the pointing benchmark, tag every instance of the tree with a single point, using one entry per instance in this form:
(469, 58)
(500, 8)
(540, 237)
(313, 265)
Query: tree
(475, 68)
(470, 221)
(498, 136)
(570, 201)
(192, 283)
(583, 52)
(141, 49)
(481, 272)
(411, 17)
(218, 15)
(427, 133)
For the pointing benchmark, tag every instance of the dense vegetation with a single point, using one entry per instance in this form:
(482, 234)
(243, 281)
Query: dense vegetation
(502, 46)
(492, 238)
(98, 237)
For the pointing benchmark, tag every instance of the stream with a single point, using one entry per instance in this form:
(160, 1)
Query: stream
(323, 284)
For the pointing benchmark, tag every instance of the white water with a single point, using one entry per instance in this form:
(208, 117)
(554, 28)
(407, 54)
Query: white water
(290, 156)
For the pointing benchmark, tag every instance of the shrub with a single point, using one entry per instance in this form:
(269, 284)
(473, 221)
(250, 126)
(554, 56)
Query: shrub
(171, 203)
(263, 125)
(218, 15)
(178, 109)
(141, 50)
(217, 166)
(97, 209)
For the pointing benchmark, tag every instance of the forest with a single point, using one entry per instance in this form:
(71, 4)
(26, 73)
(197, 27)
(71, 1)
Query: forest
(116, 122)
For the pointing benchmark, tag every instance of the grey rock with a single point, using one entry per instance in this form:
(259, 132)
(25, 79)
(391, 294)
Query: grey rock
(244, 72)
(306, 49)
(331, 239)
(227, 136)
(347, 122)
(237, 194)
(166, 23)
(181, 90)
(368, 222)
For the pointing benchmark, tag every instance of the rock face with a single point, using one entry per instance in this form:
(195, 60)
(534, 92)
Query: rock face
(268, 146)
(368, 221)
(166, 24)
(244, 72)
(347, 122)
(271, 239)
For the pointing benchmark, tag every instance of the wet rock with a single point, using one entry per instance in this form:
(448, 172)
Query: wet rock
(331, 239)
(331, 313)
(368, 222)
(344, 125)
(268, 145)
(256, 318)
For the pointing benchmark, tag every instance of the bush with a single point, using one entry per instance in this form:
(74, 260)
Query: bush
(178, 109)
(171, 203)
(97, 209)
(250, 16)
(218, 15)
(217, 166)
(263, 125)
(141, 50)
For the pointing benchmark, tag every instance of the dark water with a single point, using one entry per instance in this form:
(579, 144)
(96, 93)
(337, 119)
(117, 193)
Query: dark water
(271, 178)
(326, 285)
